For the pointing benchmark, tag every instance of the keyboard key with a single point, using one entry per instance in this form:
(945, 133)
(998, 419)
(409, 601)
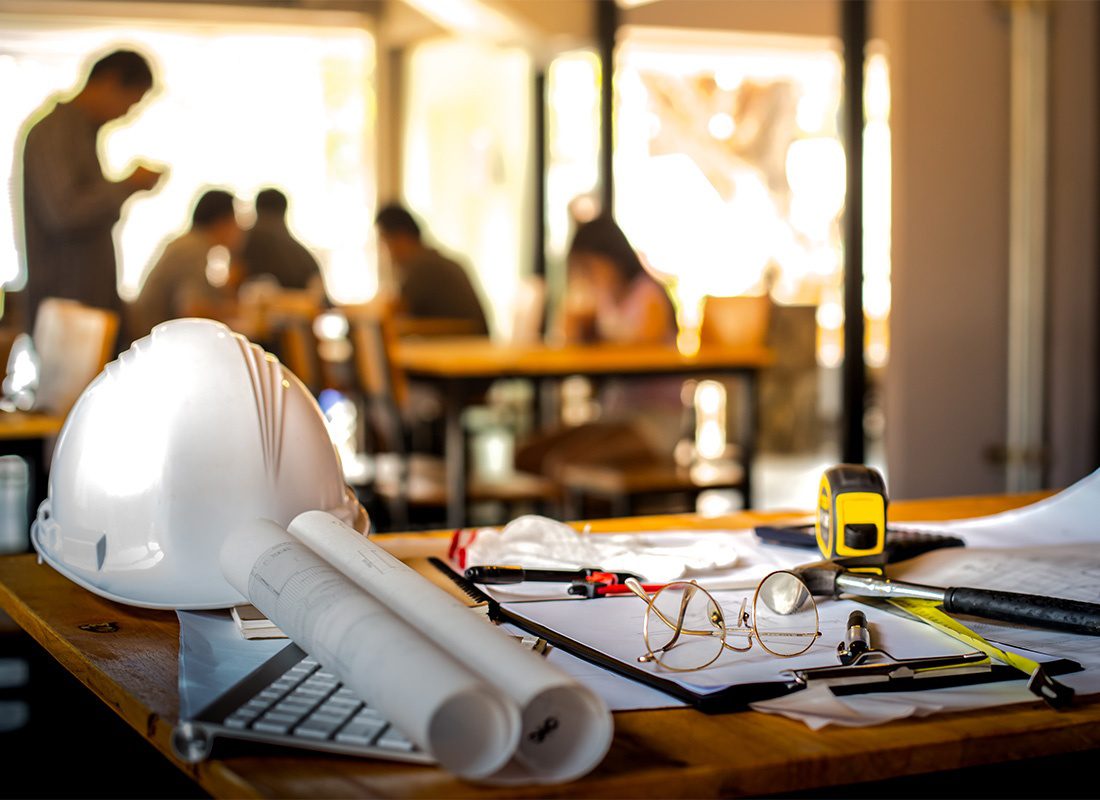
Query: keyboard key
(393, 739)
(343, 705)
(295, 708)
(238, 721)
(366, 712)
(328, 718)
(278, 725)
(316, 729)
(360, 732)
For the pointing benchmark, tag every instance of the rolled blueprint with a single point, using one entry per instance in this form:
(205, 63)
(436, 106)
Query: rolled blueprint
(471, 728)
(567, 729)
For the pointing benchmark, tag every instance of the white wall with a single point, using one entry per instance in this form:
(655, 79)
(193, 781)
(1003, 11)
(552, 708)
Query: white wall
(945, 394)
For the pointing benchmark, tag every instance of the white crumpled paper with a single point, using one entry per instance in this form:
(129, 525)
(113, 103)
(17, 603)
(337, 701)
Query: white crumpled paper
(538, 542)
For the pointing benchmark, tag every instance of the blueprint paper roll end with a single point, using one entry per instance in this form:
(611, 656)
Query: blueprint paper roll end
(567, 731)
(474, 733)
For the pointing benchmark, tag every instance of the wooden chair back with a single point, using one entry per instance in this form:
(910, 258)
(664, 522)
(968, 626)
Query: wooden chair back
(380, 379)
(74, 342)
(736, 321)
(290, 315)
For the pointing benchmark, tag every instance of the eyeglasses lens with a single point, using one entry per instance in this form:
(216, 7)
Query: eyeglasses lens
(785, 615)
(684, 627)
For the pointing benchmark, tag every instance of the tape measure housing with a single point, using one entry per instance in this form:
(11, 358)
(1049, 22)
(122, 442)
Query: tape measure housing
(851, 512)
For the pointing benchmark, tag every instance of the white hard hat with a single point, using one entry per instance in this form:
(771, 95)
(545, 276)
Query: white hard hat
(189, 433)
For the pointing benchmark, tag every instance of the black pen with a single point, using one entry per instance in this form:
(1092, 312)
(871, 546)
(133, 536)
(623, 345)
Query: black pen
(497, 575)
(857, 639)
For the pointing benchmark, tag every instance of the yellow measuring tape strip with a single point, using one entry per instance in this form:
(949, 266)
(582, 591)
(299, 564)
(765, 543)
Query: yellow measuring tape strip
(1039, 682)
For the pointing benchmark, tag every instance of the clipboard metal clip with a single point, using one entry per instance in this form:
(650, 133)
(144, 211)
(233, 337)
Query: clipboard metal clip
(876, 666)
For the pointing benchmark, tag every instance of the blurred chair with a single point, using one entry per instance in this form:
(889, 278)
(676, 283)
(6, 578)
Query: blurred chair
(74, 342)
(736, 321)
(406, 479)
(790, 420)
(289, 315)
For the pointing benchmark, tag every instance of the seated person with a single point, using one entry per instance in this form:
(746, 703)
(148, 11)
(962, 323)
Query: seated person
(271, 249)
(611, 298)
(430, 285)
(178, 286)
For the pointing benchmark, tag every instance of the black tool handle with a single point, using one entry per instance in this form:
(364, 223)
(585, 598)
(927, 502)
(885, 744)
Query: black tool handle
(1028, 609)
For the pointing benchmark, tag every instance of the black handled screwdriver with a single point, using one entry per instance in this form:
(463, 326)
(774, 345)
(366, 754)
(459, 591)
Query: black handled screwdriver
(501, 575)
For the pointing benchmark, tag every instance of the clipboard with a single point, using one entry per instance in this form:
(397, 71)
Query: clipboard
(733, 697)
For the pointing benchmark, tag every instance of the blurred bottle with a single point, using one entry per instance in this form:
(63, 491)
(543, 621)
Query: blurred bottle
(21, 379)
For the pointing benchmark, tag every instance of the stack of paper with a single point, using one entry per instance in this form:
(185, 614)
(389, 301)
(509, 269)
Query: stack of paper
(252, 624)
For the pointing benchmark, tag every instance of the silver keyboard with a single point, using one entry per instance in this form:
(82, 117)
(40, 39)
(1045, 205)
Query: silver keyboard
(292, 700)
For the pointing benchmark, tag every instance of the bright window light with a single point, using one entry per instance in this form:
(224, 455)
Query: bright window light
(466, 160)
(730, 173)
(235, 106)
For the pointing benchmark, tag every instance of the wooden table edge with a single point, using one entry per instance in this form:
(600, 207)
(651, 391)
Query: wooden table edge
(211, 775)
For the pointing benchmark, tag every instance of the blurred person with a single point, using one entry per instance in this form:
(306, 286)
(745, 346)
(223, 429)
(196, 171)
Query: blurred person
(429, 284)
(69, 206)
(271, 249)
(178, 286)
(609, 296)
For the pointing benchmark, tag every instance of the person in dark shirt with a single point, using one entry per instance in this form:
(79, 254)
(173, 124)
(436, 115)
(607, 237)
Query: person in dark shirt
(271, 248)
(69, 206)
(177, 286)
(430, 285)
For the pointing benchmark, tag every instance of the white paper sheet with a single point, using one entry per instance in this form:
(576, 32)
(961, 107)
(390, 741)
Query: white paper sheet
(1070, 517)
(566, 728)
(613, 626)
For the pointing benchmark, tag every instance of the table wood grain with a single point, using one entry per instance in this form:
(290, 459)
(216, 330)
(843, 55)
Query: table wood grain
(479, 357)
(27, 425)
(655, 753)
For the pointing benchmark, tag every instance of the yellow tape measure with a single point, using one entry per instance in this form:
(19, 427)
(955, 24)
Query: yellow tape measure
(1039, 682)
(851, 512)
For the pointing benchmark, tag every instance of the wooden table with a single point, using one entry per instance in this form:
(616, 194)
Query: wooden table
(461, 366)
(22, 434)
(666, 753)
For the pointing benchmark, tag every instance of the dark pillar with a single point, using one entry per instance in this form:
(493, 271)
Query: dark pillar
(607, 24)
(538, 266)
(853, 23)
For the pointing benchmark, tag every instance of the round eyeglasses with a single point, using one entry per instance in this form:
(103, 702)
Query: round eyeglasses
(685, 628)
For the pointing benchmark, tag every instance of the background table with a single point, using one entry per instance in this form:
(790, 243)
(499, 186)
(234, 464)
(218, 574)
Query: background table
(23, 434)
(655, 753)
(461, 366)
